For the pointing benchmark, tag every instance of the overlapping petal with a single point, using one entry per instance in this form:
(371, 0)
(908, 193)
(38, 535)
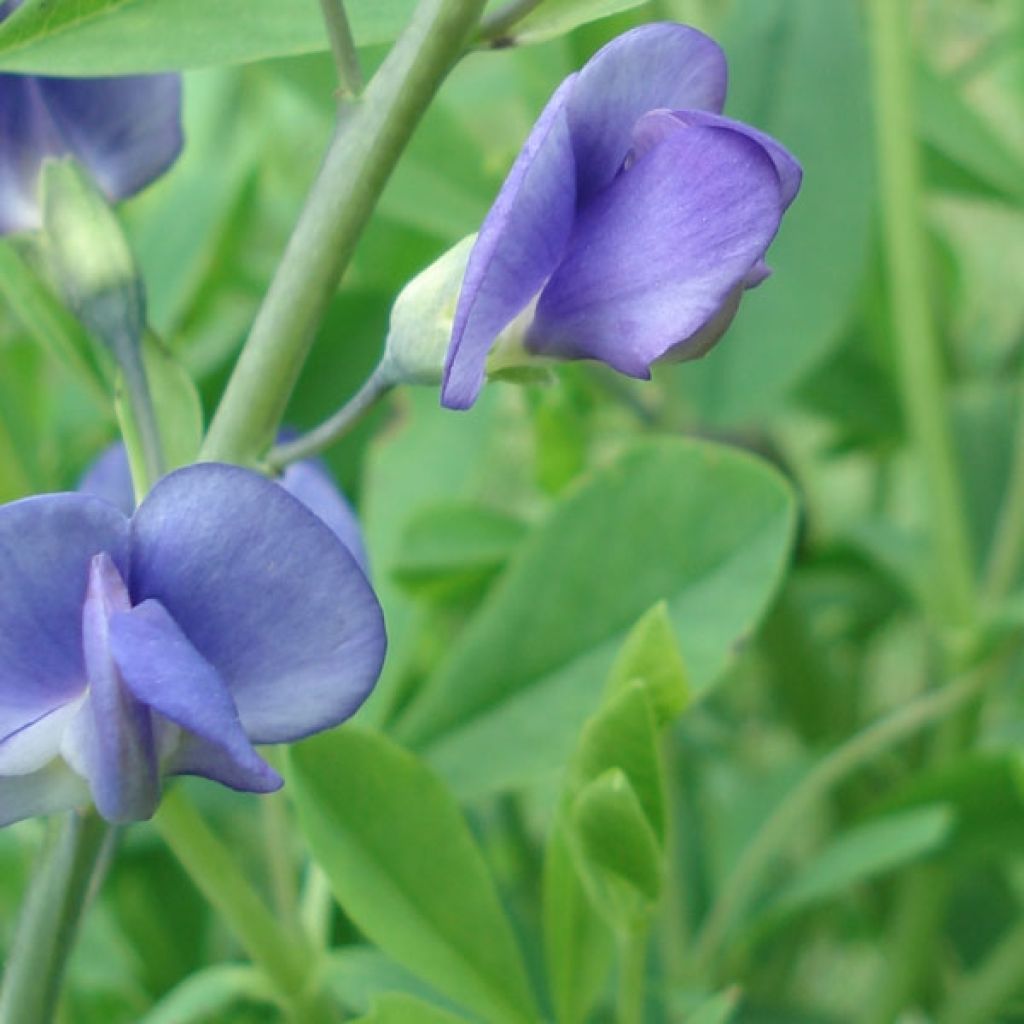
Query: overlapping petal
(657, 65)
(265, 594)
(520, 243)
(46, 545)
(656, 255)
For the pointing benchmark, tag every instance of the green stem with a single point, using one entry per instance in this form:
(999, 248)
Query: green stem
(980, 998)
(629, 1003)
(49, 919)
(140, 401)
(917, 346)
(343, 46)
(780, 828)
(377, 385)
(365, 148)
(1007, 553)
(278, 952)
(495, 26)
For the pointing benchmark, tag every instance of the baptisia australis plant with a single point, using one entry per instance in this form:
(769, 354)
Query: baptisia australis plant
(222, 614)
(124, 131)
(630, 224)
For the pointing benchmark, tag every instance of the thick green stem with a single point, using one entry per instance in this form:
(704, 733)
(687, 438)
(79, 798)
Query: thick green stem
(343, 46)
(49, 919)
(278, 951)
(777, 832)
(917, 346)
(365, 148)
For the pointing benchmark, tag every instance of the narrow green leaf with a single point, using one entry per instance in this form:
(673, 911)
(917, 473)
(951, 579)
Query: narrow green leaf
(403, 865)
(208, 994)
(618, 845)
(398, 1008)
(115, 37)
(651, 655)
(703, 527)
(578, 946)
(717, 1010)
(357, 975)
(556, 17)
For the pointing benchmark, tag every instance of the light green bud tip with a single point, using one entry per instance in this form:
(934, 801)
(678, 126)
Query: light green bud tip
(422, 316)
(88, 256)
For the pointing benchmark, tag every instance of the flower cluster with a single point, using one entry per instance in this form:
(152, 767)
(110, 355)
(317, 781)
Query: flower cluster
(220, 614)
(126, 131)
(632, 220)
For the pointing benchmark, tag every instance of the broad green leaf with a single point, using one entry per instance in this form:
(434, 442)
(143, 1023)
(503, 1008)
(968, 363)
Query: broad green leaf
(703, 527)
(617, 845)
(207, 994)
(404, 867)
(455, 547)
(179, 412)
(797, 71)
(90, 37)
(865, 851)
(623, 735)
(357, 975)
(717, 1010)
(556, 17)
(651, 655)
(578, 946)
(398, 1008)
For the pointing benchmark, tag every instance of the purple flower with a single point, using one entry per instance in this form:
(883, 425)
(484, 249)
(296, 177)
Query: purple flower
(632, 220)
(220, 615)
(126, 131)
(109, 477)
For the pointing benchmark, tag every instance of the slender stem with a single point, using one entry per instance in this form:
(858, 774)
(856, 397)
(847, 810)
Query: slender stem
(917, 345)
(140, 401)
(365, 148)
(377, 385)
(278, 952)
(777, 832)
(983, 994)
(1007, 553)
(49, 919)
(277, 833)
(315, 907)
(629, 1003)
(496, 25)
(343, 46)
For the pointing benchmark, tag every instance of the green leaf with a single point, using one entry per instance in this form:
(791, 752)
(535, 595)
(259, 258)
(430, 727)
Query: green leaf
(704, 527)
(404, 867)
(455, 547)
(623, 735)
(717, 1010)
(398, 1008)
(651, 655)
(618, 846)
(179, 412)
(208, 993)
(556, 17)
(578, 946)
(866, 851)
(116, 37)
(790, 62)
(357, 975)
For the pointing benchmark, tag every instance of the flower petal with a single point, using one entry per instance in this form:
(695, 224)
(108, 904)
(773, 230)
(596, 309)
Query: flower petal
(520, 243)
(110, 477)
(127, 131)
(312, 485)
(651, 67)
(167, 674)
(46, 544)
(52, 789)
(38, 743)
(111, 741)
(654, 257)
(265, 593)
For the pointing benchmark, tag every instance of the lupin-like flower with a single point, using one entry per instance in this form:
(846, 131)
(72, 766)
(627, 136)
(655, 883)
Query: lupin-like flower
(220, 615)
(126, 131)
(632, 220)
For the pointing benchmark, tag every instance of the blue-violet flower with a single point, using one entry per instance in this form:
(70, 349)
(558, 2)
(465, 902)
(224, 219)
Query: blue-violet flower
(632, 220)
(125, 130)
(221, 614)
